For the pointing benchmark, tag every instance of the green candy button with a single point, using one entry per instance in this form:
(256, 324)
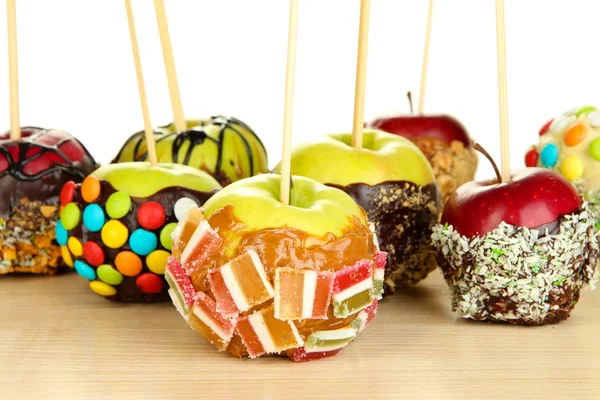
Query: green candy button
(118, 205)
(594, 150)
(109, 275)
(165, 235)
(584, 110)
(70, 216)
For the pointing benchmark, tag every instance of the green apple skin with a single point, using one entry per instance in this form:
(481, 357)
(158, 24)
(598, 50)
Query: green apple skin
(224, 147)
(384, 157)
(140, 179)
(314, 208)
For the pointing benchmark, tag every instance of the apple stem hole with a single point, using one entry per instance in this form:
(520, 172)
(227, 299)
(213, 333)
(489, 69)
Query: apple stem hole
(480, 149)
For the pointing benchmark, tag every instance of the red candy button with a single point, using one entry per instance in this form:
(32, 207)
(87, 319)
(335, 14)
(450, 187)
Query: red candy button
(93, 254)
(151, 216)
(67, 193)
(531, 158)
(546, 127)
(149, 283)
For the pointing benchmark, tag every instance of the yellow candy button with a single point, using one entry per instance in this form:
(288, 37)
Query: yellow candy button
(75, 246)
(102, 288)
(157, 261)
(66, 255)
(571, 168)
(114, 234)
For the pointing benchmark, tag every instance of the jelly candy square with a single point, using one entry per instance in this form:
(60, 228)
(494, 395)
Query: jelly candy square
(262, 333)
(302, 293)
(181, 284)
(240, 284)
(378, 277)
(178, 303)
(201, 245)
(210, 323)
(184, 230)
(352, 289)
(325, 341)
(300, 355)
(365, 317)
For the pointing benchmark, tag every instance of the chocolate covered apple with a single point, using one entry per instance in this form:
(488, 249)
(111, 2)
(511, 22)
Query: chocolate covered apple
(517, 252)
(257, 277)
(224, 147)
(391, 179)
(444, 141)
(33, 170)
(117, 225)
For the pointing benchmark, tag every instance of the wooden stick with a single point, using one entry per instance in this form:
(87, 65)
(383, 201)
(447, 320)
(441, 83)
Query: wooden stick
(13, 69)
(165, 40)
(425, 65)
(286, 172)
(150, 144)
(361, 74)
(502, 90)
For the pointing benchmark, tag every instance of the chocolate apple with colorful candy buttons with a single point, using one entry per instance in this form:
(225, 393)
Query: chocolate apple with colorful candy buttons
(117, 224)
(517, 252)
(392, 180)
(257, 277)
(224, 147)
(33, 170)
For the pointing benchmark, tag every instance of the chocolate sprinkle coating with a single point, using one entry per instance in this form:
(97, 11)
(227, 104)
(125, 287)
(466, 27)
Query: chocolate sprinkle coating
(403, 214)
(518, 275)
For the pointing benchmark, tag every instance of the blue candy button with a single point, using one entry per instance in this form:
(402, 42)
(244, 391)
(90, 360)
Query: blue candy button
(93, 217)
(143, 242)
(85, 270)
(62, 237)
(549, 155)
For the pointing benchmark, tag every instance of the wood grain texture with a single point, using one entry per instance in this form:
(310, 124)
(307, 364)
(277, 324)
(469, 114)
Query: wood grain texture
(60, 340)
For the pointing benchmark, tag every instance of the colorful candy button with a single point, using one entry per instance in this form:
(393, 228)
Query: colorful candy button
(93, 217)
(157, 260)
(102, 288)
(594, 119)
(85, 270)
(165, 235)
(151, 215)
(575, 134)
(531, 158)
(114, 234)
(149, 283)
(571, 168)
(583, 110)
(560, 123)
(118, 205)
(90, 189)
(93, 253)
(595, 149)
(109, 275)
(182, 206)
(546, 127)
(128, 263)
(549, 155)
(67, 193)
(142, 242)
(66, 256)
(62, 237)
(75, 246)
(70, 216)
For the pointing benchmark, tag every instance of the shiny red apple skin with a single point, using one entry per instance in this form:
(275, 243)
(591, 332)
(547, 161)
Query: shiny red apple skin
(534, 197)
(413, 127)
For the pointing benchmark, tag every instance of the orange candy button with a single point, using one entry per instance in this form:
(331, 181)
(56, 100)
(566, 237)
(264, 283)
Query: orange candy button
(575, 134)
(128, 263)
(90, 189)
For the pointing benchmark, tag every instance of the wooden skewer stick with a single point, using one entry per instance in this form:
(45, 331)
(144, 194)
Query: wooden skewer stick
(13, 69)
(502, 90)
(361, 74)
(288, 112)
(150, 144)
(165, 40)
(425, 65)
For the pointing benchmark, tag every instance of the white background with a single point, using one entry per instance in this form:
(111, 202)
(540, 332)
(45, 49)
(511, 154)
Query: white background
(77, 72)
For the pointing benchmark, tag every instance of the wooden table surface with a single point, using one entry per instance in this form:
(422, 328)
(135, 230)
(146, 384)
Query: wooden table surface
(60, 340)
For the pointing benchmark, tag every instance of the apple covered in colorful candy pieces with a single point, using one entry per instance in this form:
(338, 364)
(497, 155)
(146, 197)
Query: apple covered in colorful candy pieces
(256, 277)
(570, 145)
(33, 170)
(224, 147)
(519, 251)
(444, 141)
(117, 224)
(390, 178)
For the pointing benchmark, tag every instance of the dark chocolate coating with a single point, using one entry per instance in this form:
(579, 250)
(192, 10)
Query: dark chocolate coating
(404, 214)
(128, 291)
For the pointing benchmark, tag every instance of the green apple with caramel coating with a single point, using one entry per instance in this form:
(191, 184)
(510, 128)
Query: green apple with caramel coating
(393, 181)
(224, 147)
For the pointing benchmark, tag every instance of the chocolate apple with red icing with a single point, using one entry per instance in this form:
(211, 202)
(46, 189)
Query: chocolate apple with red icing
(33, 170)
(519, 251)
